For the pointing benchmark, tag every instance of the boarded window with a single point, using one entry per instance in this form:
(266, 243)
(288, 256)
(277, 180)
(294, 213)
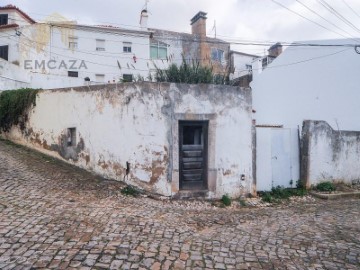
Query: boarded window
(4, 19)
(127, 47)
(4, 52)
(73, 74)
(100, 45)
(71, 137)
(100, 77)
(127, 77)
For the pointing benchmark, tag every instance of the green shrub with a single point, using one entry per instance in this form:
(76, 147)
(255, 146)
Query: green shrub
(192, 73)
(325, 186)
(129, 191)
(279, 193)
(14, 105)
(226, 200)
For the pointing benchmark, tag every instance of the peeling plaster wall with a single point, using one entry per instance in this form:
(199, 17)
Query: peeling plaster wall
(138, 123)
(328, 154)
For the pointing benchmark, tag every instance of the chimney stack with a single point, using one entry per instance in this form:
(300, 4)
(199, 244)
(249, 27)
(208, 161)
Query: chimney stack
(275, 50)
(144, 19)
(198, 23)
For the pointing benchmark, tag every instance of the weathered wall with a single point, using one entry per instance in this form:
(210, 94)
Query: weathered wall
(138, 123)
(328, 154)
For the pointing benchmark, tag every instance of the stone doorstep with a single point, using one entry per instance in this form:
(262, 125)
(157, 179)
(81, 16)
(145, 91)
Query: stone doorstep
(335, 196)
(191, 194)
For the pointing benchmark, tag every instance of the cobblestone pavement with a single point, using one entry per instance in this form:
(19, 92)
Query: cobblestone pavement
(53, 216)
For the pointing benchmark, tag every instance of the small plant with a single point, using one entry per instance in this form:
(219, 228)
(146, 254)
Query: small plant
(242, 202)
(325, 186)
(300, 184)
(226, 200)
(279, 193)
(129, 191)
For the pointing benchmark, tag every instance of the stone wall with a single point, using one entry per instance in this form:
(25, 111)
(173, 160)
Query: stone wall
(129, 132)
(327, 154)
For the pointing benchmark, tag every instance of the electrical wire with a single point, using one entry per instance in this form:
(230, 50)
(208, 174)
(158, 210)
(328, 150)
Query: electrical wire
(318, 24)
(357, 14)
(337, 14)
(314, 12)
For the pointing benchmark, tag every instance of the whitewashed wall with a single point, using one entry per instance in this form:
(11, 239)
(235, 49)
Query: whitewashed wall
(239, 64)
(310, 83)
(330, 155)
(138, 123)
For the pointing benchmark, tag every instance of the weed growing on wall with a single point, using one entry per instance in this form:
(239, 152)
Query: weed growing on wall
(192, 73)
(14, 106)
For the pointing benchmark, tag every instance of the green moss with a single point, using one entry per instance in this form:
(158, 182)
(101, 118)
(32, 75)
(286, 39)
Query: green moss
(14, 105)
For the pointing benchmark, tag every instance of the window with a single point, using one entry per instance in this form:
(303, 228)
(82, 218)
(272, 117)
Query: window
(71, 137)
(4, 52)
(4, 19)
(73, 43)
(127, 77)
(127, 47)
(158, 50)
(248, 67)
(73, 74)
(217, 55)
(100, 77)
(100, 45)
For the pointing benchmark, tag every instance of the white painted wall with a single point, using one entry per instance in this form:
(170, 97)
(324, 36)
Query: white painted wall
(15, 17)
(42, 42)
(318, 83)
(240, 62)
(333, 155)
(138, 123)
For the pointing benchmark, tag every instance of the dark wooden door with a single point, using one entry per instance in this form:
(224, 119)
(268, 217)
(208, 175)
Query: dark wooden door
(193, 137)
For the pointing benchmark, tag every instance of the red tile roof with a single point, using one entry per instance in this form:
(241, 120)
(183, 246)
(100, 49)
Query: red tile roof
(8, 26)
(12, 7)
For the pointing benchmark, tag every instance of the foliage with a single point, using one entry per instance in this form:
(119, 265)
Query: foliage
(14, 105)
(325, 186)
(279, 193)
(129, 191)
(192, 73)
(300, 184)
(242, 202)
(226, 200)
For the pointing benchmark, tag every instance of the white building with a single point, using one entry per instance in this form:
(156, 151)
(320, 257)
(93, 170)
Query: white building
(241, 64)
(306, 83)
(60, 53)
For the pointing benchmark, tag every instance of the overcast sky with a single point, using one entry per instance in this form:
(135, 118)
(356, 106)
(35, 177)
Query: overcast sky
(239, 20)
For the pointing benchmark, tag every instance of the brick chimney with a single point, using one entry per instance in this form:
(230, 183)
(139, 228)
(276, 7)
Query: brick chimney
(198, 23)
(275, 50)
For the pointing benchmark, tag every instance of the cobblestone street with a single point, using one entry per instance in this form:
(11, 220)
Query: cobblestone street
(54, 216)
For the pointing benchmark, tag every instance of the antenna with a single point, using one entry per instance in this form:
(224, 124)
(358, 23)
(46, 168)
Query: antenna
(146, 4)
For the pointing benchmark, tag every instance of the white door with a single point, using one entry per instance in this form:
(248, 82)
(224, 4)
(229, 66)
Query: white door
(277, 158)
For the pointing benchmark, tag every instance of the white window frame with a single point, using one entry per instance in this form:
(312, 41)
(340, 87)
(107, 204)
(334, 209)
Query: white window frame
(100, 45)
(73, 43)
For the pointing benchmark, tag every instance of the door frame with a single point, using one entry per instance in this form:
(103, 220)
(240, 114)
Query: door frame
(205, 126)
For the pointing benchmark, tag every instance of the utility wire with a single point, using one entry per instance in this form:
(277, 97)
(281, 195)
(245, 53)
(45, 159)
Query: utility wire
(314, 12)
(357, 14)
(318, 24)
(337, 14)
